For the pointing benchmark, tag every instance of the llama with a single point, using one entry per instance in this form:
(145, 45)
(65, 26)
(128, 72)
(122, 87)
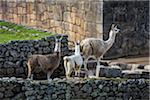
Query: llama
(48, 63)
(73, 62)
(96, 48)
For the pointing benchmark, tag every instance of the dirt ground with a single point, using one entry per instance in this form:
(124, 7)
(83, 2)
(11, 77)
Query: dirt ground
(137, 60)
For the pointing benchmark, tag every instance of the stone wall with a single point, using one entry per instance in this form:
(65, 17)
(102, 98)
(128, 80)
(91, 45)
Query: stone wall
(13, 56)
(86, 18)
(78, 19)
(132, 18)
(74, 89)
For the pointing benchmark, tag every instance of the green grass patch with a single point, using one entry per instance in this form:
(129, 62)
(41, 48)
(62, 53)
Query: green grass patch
(10, 31)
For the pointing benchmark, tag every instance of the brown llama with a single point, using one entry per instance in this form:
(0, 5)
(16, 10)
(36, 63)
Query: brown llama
(48, 63)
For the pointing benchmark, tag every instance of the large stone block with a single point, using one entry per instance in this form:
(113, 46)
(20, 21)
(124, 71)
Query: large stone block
(110, 71)
(21, 10)
(66, 26)
(30, 7)
(130, 74)
(66, 17)
(78, 21)
(81, 14)
(57, 13)
(3, 72)
(76, 28)
(40, 8)
(59, 30)
(147, 67)
(10, 71)
(90, 17)
(73, 17)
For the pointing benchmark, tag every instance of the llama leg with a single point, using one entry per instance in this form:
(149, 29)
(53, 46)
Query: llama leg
(31, 76)
(66, 70)
(79, 70)
(76, 73)
(65, 66)
(49, 73)
(76, 70)
(69, 71)
(85, 67)
(29, 71)
(97, 69)
(68, 75)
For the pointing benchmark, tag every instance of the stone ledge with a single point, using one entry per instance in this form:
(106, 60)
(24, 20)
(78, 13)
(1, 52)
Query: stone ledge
(91, 89)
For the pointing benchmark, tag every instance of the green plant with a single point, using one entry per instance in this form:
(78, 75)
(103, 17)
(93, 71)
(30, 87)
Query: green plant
(10, 31)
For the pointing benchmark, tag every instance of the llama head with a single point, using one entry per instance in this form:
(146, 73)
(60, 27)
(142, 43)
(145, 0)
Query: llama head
(77, 47)
(115, 29)
(58, 44)
(77, 42)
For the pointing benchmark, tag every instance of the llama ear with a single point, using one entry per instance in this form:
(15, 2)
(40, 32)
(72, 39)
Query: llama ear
(78, 41)
(61, 38)
(115, 26)
(74, 42)
(55, 38)
(112, 26)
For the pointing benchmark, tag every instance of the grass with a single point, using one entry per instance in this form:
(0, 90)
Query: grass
(10, 31)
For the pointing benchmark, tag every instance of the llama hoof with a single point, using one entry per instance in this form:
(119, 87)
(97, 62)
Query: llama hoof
(68, 77)
(49, 80)
(85, 77)
(92, 77)
(76, 78)
(29, 79)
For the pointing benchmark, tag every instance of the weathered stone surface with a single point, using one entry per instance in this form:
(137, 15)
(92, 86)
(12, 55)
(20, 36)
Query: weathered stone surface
(65, 89)
(130, 74)
(131, 41)
(51, 15)
(14, 61)
(10, 71)
(147, 67)
(48, 14)
(109, 71)
(1, 95)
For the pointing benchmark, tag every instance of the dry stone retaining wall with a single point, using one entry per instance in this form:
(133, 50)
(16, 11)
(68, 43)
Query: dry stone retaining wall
(74, 89)
(13, 55)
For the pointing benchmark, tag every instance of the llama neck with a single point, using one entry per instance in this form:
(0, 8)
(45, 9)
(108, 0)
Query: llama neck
(57, 49)
(111, 39)
(77, 50)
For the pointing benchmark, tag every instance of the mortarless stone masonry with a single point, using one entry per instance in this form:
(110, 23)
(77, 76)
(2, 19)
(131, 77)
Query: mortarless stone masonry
(13, 55)
(74, 89)
(86, 18)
